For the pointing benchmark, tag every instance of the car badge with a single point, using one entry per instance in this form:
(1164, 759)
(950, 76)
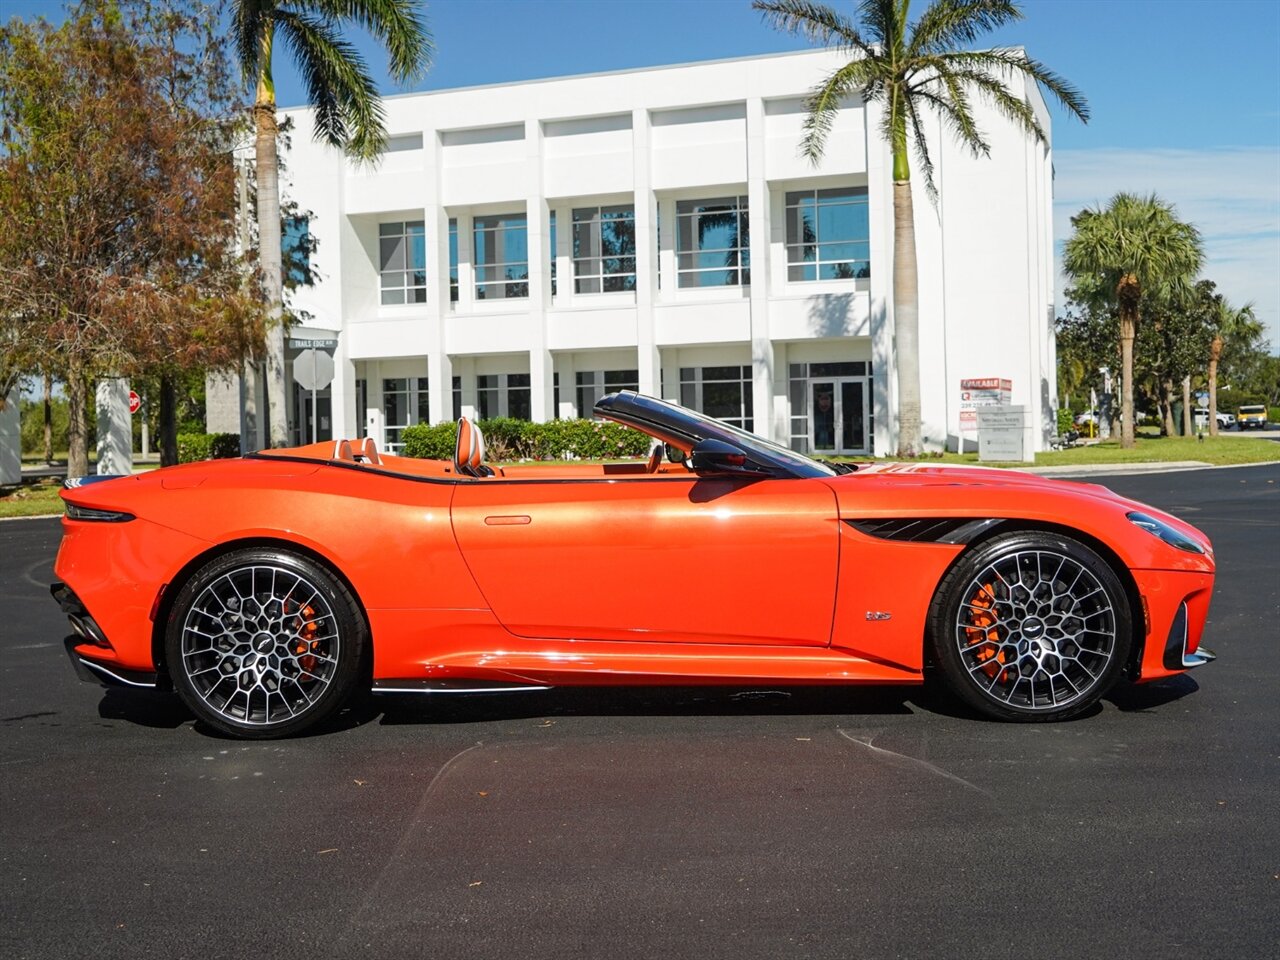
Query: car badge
(879, 615)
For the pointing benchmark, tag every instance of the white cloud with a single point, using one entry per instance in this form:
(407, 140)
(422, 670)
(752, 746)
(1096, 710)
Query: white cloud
(1231, 194)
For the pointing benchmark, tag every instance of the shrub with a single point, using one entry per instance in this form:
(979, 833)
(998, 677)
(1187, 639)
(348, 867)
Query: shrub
(207, 446)
(509, 439)
(1065, 421)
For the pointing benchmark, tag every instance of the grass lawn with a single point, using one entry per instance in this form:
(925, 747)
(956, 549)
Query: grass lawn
(1150, 449)
(30, 499)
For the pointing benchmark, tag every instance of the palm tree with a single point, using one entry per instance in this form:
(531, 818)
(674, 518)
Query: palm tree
(1135, 244)
(1229, 325)
(348, 114)
(912, 69)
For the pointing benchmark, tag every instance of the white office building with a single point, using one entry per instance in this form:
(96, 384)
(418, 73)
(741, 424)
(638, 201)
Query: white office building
(523, 248)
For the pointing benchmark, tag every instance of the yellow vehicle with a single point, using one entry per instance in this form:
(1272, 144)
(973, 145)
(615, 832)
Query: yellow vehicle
(1253, 416)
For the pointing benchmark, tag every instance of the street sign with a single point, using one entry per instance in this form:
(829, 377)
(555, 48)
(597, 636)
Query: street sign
(1000, 433)
(313, 369)
(296, 343)
(135, 402)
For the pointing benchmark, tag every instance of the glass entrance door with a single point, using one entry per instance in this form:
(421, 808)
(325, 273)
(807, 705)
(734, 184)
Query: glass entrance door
(838, 415)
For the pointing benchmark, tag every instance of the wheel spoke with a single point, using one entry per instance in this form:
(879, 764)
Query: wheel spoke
(1049, 643)
(238, 645)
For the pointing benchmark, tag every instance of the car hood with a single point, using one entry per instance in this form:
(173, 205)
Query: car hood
(930, 490)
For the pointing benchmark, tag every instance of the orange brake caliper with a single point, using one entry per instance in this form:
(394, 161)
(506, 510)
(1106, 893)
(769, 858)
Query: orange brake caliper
(983, 630)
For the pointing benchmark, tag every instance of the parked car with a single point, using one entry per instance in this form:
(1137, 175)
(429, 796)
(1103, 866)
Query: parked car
(1225, 420)
(266, 590)
(1253, 417)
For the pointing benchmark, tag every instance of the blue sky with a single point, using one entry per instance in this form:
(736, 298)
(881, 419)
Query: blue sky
(1185, 94)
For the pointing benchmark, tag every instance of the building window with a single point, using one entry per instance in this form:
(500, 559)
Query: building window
(502, 257)
(594, 384)
(453, 260)
(503, 395)
(402, 261)
(831, 406)
(828, 234)
(604, 249)
(362, 408)
(720, 392)
(712, 243)
(295, 247)
(404, 402)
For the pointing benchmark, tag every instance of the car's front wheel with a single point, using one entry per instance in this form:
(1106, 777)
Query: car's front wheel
(1030, 626)
(264, 643)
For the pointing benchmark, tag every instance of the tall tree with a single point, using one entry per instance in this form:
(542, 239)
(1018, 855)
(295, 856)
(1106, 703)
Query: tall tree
(1133, 245)
(913, 69)
(1229, 326)
(348, 115)
(117, 252)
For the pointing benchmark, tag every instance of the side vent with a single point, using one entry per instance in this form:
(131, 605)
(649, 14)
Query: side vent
(923, 529)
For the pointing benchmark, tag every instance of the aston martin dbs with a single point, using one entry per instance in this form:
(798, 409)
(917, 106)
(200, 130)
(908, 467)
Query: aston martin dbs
(268, 589)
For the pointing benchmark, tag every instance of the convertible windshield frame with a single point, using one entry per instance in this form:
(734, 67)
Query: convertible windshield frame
(682, 427)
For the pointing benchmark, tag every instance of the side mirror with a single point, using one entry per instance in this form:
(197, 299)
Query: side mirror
(712, 457)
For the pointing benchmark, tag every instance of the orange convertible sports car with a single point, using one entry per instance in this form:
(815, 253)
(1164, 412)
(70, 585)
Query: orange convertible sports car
(266, 590)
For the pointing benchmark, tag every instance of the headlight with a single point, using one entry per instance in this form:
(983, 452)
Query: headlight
(1158, 528)
(103, 516)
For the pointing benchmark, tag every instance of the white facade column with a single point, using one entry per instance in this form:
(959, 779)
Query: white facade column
(436, 219)
(115, 431)
(466, 371)
(567, 367)
(374, 420)
(669, 268)
(758, 206)
(538, 217)
(648, 360)
(10, 438)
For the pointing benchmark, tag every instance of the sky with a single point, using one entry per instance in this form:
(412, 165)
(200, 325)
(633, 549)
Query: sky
(1184, 94)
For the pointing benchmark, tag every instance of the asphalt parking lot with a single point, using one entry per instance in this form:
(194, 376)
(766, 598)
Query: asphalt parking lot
(842, 823)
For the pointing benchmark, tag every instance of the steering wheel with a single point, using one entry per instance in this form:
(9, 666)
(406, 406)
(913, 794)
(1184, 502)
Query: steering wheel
(655, 459)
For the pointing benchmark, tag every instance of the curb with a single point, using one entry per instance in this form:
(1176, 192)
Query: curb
(34, 516)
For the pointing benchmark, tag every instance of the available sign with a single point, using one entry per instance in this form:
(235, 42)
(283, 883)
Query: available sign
(981, 392)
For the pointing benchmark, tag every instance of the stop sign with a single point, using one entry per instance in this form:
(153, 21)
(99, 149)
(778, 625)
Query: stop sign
(313, 369)
(135, 402)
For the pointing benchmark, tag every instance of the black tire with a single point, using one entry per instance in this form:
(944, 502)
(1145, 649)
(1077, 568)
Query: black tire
(264, 643)
(1030, 626)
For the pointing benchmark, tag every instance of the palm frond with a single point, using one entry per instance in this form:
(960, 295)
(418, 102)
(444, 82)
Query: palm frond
(956, 115)
(248, 20)
(824, 102)
(920, 144)
(348, 112)
(815, 22)
(398, 24)
(997, 92)
(947, 24)
(1011, 61)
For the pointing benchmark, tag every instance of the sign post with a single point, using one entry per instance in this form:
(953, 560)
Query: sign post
(313, 370)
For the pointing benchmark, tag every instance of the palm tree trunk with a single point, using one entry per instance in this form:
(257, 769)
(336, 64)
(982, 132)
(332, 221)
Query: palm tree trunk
(48, 419)
(77, 419)
(906, 319)
(269, 256)
(1166, 408)
(1188, 421)
(1215, 354)
(1127, 326)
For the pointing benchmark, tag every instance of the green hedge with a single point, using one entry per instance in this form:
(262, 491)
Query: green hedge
(207, 446)
(507, 439)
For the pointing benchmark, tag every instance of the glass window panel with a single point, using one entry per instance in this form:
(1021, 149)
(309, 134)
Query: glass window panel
(620, 283)
(587, 285)
(842, 251)
(418, 252)
(722, 400)
(391, 250)
(721, 373)
(845, 194)
(798, 272)
(688, 396)
(389, 229)
(392, 296)
(424, 402)
(622, 379)
(419, 295)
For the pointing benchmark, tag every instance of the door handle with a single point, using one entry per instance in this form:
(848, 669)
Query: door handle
(506, 521)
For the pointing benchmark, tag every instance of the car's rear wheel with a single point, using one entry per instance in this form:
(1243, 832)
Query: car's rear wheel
(1030, 626)
(264, 643)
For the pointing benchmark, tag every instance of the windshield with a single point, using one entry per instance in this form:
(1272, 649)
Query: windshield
(673, 423)
(1257, 409)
